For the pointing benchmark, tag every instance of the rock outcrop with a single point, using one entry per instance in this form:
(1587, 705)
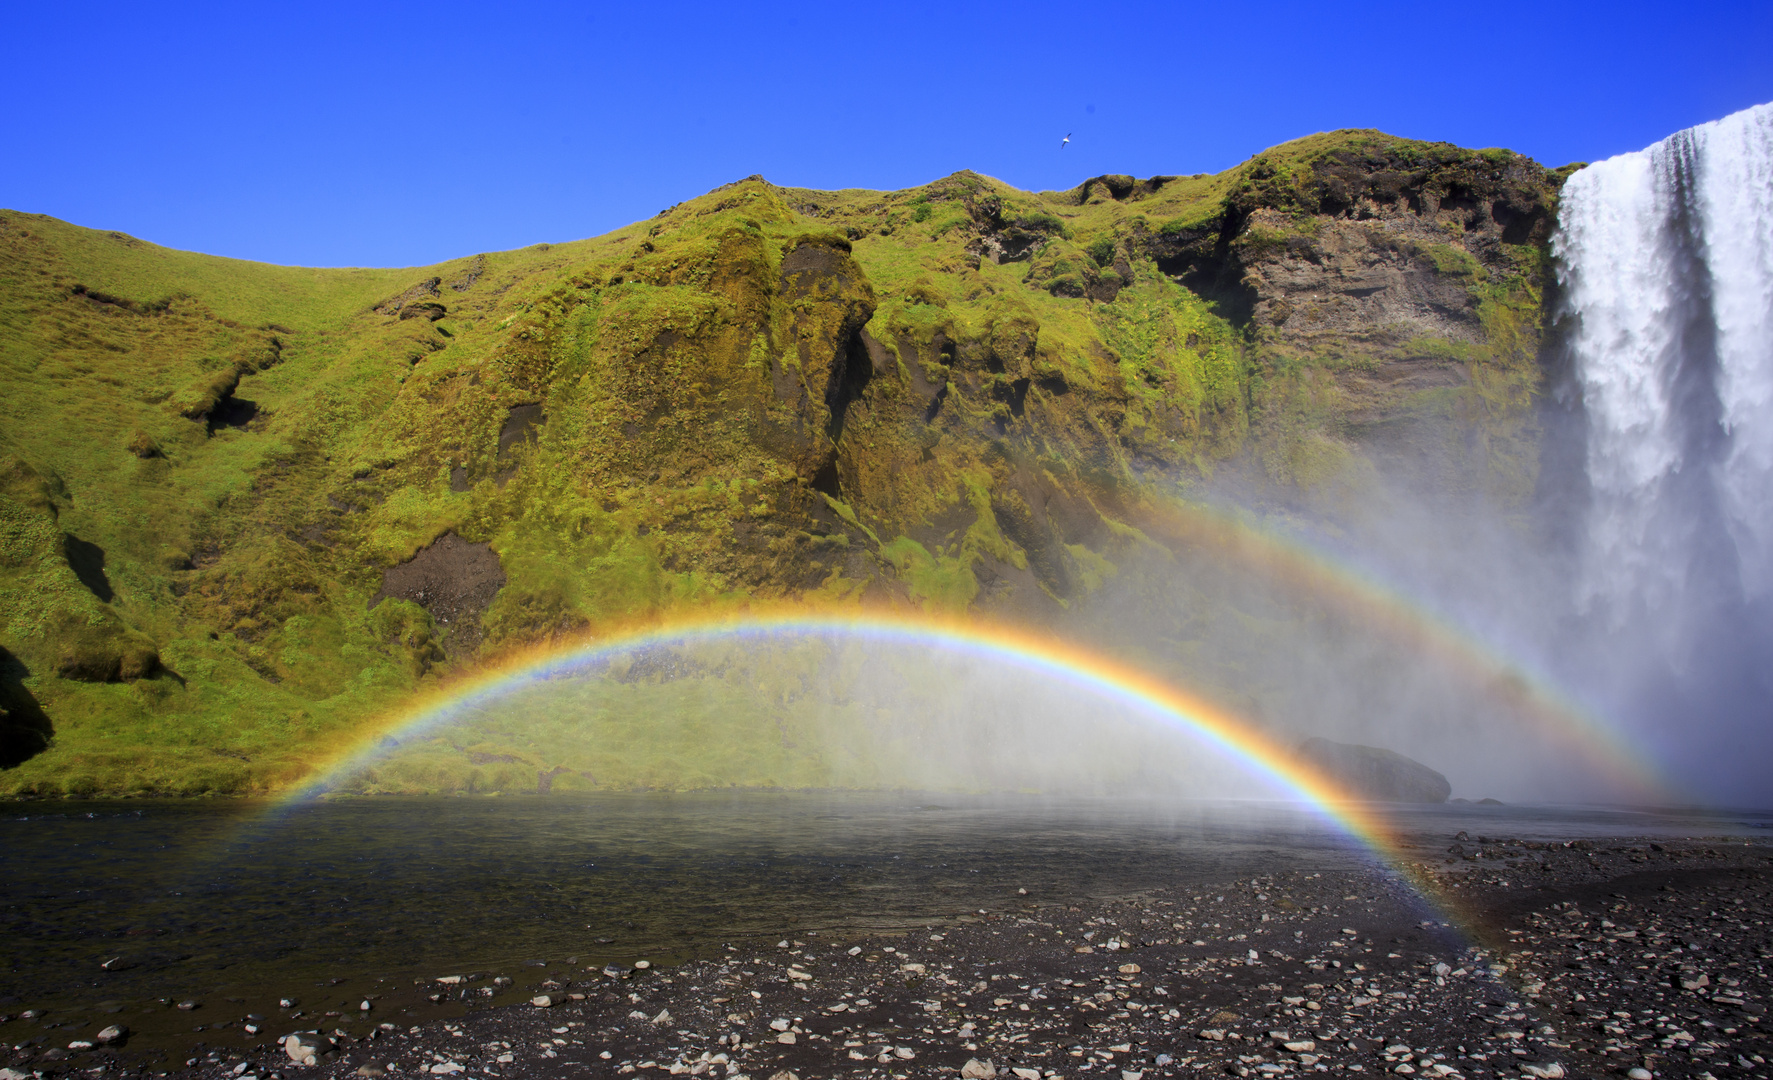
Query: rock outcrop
(957, 398)
(1375, 773)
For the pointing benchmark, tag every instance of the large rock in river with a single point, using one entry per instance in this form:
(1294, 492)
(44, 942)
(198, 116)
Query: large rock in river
(1376, 773)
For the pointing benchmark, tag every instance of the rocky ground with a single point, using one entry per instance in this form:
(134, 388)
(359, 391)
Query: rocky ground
(1643, 959)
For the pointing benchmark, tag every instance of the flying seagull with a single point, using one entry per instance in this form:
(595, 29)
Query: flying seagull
(1065, 141)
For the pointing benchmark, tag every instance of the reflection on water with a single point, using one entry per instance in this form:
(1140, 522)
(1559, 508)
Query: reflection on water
(193, 898)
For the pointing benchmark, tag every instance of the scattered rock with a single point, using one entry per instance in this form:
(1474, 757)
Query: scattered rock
(975, 1069)
(542, 1001)
(115, 1035)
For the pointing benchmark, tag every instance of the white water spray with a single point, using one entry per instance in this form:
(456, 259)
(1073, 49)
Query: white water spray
(1667, 263)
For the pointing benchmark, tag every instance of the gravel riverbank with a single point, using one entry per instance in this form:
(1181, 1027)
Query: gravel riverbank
(1543, 960)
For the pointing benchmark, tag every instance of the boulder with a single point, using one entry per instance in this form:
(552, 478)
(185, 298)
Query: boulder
(307, 1048)
(1375, 773)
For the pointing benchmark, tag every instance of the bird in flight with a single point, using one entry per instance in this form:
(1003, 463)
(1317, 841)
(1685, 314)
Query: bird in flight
(1065, 141)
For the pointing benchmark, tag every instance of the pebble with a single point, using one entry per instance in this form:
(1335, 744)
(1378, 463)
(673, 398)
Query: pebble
(1177, 1010)
(112, 1035)
(542, 1001)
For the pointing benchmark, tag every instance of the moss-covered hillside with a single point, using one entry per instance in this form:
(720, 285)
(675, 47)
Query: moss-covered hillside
(243, 507)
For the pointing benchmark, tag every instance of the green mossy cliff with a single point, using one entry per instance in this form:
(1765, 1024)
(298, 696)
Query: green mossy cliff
(243, 507)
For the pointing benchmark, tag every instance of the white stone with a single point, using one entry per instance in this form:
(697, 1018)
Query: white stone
(975, 1069)
(306, 1048)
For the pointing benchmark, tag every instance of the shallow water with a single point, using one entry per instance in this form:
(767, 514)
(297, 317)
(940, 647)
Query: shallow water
(211, 899)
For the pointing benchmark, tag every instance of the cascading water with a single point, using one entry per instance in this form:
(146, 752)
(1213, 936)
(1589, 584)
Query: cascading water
(1666, 259)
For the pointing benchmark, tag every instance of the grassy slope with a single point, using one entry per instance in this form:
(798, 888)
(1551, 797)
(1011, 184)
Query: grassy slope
(691, 455)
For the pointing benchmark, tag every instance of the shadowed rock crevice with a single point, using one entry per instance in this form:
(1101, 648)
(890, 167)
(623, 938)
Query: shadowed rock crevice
(25, 730)
(522, 425)
(87, 560)
(452, 579)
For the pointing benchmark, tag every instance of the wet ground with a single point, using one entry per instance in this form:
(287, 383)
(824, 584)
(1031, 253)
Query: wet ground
(1544, 957)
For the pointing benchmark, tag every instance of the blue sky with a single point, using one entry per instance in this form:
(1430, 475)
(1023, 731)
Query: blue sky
(327, 134)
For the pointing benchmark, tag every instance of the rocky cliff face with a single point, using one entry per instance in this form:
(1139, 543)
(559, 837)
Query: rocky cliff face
(959, 397)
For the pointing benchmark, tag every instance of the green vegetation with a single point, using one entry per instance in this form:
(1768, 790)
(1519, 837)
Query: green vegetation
(964, 398)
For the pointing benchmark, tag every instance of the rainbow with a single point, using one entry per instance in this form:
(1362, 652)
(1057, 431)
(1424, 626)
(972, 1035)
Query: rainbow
(1288, 561)
(1263, 755)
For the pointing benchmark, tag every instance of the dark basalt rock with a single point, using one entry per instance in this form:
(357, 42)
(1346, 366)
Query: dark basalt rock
(1375, 772)
(454, 580)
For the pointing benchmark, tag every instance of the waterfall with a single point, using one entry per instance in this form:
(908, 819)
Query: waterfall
(1666, 260)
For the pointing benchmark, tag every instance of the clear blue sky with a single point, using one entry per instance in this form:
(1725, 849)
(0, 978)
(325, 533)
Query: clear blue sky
(354, 134)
